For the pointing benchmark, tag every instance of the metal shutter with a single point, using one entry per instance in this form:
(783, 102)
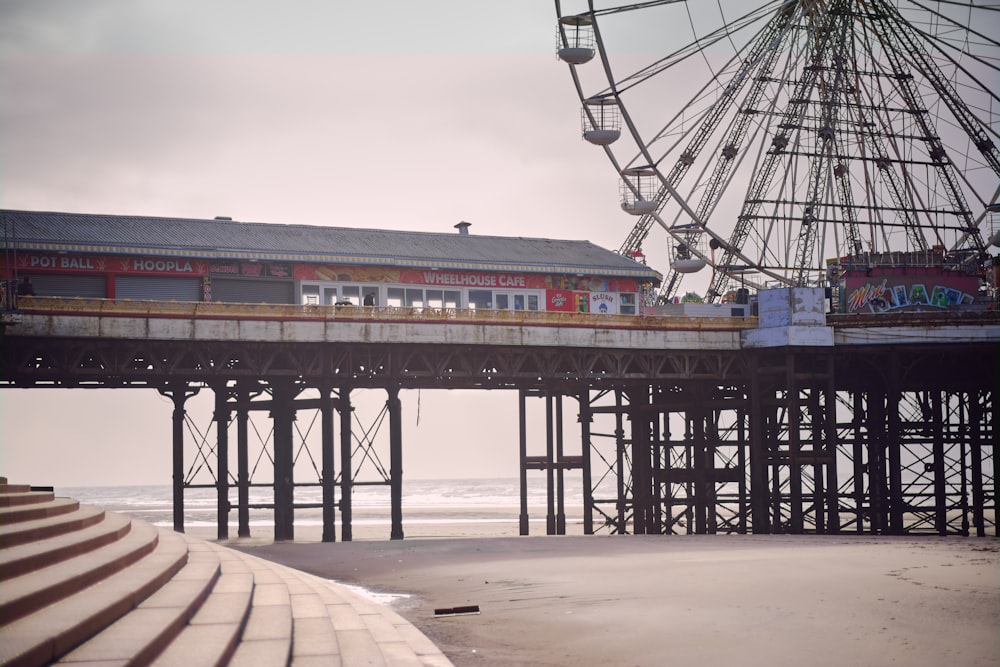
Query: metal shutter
(241, 290)
(91, 287)
(158, 288)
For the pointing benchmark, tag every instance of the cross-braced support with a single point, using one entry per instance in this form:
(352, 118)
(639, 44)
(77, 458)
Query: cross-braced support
(555, 462)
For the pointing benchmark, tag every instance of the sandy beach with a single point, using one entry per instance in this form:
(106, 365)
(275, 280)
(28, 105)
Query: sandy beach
(681, 600)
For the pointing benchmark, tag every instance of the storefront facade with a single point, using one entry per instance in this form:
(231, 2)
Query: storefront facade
(121, 271)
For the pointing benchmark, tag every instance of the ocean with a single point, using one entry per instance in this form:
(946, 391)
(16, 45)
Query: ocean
(431, 508)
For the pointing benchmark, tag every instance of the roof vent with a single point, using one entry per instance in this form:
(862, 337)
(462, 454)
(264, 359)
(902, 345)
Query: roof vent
(463, 228)
(222, 217)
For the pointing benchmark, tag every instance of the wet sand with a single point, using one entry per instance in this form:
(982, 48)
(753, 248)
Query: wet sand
(681, 600)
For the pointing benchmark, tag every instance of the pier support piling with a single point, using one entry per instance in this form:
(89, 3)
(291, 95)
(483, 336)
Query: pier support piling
(283, 391)
(178, 392)
(221, 418)
(395, 463)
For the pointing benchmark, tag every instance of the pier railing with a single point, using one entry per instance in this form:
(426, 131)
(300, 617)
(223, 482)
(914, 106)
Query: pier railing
(291, 312)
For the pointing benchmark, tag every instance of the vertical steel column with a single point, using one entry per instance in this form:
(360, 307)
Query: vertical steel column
(586, 418)
(830, 447)
(709, 419)
(857, 456)
(977, 449)
(759, 521)
(702, 444)
(178, 392)
(620, 463)
(523, 443)
(938, 464)
(346, 468)
(700, 465)
(794, 416)
(816, 428)
(659, 463)
(640, 462)
(964, 446)
(550, 505)
(396, 463)
(283, 416)
(893, 449)
(329, 482)
(688, 481)
(742, 416)
(560, 471)
(243, 461)
(994, 430)
(878, 442)
(178, 458)
(221, 418)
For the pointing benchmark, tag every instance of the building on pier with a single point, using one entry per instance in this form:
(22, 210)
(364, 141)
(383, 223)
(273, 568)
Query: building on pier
(875, 420)
(223, 260)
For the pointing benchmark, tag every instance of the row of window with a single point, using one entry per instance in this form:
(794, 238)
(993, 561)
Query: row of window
(421, 297)
(236, 290)
(416, 297)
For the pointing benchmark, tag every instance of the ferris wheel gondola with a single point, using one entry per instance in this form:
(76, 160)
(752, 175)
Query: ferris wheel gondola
(792, 133)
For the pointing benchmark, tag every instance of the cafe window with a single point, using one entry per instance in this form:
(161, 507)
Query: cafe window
(627, 304)
(480, 298)
(354, 294)
(515, 301)
(436, 298)
(415, 297)
(318, 294)
(310, 295)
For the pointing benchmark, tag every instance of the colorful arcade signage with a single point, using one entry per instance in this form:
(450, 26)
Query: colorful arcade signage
(898, 289)
(28, 262)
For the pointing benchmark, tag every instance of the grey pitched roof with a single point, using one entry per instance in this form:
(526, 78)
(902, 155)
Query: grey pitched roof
(218, 238)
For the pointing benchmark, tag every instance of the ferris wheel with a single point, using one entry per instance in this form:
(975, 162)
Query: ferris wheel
(768, 143)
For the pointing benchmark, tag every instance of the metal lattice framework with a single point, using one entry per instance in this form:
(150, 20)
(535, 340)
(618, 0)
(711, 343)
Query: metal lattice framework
(809, 443)
(764, 141)
(888, 439)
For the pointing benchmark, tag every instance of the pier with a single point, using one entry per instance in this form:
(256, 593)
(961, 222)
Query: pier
(830, 425)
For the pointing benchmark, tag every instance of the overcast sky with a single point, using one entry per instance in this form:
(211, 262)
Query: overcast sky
(389, 114)
(385, 113)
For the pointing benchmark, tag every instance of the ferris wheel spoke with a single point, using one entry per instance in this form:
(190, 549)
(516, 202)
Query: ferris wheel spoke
(689, 50)
(938, 152)
(762, 52)
(797, 133)
(963, 27)
(947, 93)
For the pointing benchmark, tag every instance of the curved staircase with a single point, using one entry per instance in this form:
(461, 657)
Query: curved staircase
(79, 585)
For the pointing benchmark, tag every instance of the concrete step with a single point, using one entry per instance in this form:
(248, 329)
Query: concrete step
(10, 499)
(6, 487)
(372, 633)
(85, 588)
(139, 636)
(212, 635)
(24, 558)
(25, 594)
(267, 637)
(52, 631)
(40, 529)
(19, 513)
